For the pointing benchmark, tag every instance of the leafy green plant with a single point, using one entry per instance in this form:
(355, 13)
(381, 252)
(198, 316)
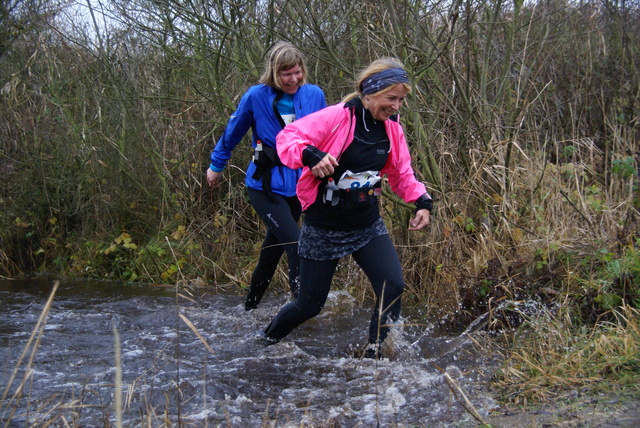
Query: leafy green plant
(625, 167)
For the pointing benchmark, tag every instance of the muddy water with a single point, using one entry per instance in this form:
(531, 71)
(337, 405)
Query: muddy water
(215, 372)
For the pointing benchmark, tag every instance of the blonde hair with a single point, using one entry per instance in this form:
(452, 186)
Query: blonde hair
(282, 56)
(377, 66)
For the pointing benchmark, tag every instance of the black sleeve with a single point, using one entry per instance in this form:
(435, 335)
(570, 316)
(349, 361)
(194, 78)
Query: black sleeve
(423, 203)
(311, 156)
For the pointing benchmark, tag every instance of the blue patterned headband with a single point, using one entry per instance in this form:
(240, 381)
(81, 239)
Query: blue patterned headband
(384, 79)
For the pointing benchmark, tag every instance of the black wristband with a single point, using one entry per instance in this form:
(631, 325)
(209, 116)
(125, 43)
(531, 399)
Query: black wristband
(423, 203)
(311, 156)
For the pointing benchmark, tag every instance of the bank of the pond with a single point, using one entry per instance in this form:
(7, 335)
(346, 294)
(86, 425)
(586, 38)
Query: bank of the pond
(573, 409)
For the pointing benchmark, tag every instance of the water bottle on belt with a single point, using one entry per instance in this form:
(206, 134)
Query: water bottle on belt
(257, 151)
(332, 194)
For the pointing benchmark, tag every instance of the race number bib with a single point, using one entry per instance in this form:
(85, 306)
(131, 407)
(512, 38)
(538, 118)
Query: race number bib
(356, 180)
(288, 118)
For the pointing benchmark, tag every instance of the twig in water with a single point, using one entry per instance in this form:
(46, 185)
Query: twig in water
(195, 330)
(118, 391)
(33, 343)
(462, 398)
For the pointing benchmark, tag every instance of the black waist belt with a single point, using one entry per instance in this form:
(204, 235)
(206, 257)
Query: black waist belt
(354, 197)
(265, 160)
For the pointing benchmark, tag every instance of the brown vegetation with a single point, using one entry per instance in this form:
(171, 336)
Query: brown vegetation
(524, 126)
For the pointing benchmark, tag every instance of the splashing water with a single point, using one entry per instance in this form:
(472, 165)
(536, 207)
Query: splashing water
(315, 377)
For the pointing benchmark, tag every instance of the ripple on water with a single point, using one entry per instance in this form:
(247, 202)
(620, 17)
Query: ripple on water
(313, 375)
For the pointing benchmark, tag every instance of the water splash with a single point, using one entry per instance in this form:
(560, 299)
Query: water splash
(312, 377)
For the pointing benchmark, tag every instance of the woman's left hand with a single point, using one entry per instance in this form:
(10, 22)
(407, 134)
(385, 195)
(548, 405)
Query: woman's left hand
(420, 220)
(325, 167)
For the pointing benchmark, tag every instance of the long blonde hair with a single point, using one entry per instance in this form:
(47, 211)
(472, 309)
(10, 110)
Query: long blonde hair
(377, 66)
(282, 56)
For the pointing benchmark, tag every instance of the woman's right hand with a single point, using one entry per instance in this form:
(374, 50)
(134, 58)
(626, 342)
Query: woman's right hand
(213, 178)
(325, 167)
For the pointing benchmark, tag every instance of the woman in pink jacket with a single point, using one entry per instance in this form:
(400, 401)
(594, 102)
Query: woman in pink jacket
(345, 150)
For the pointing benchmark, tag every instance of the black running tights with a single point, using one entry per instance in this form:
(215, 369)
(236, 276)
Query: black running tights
(281, 215)
(379, 261)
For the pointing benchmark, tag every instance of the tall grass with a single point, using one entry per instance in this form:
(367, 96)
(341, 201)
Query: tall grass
(15, 388)
(554, 355)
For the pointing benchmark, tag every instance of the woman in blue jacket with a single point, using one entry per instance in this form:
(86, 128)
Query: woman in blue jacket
(281, 97)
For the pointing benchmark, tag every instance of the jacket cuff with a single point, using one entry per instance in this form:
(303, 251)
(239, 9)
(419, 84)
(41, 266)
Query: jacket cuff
(311, 156)
(424, 203)
(216, 169)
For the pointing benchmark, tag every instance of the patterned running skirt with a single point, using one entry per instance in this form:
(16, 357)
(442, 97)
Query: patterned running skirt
(327, 244)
